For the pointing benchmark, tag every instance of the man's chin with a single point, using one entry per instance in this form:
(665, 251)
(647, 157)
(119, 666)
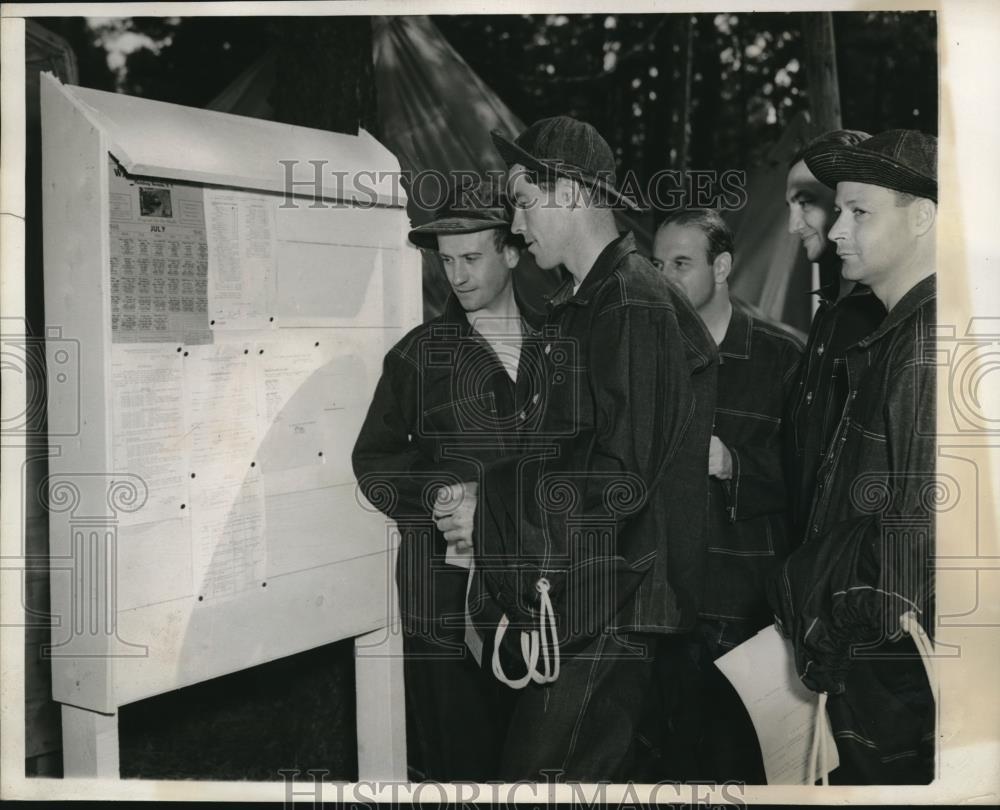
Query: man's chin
(815, 248)
(851, 269)
(540, 261)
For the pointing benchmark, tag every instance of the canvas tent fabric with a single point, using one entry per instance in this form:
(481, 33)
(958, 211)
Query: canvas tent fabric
(435, 115)
(770, 268)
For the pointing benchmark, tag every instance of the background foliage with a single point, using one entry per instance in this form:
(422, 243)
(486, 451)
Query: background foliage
(622, 72)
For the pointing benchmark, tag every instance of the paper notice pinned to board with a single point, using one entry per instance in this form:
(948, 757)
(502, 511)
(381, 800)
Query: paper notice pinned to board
(228, 528)
(148, 428)
(783, 710)
(241, 257)
(158, 260)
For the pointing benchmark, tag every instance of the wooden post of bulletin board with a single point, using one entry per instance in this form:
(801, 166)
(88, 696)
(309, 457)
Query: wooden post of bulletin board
(212, 346)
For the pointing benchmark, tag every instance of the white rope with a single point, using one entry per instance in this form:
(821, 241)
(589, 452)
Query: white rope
(823, 722)
(533, 643)
(548, 633)
(530, 656)
(910, 624)
(817, 754)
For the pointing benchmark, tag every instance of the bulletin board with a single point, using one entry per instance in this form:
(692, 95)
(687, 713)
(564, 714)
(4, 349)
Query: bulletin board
(228, 288)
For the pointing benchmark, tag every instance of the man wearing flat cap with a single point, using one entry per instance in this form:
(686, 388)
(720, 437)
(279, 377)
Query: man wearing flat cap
(446, 404)
(597, 545)
(847, 311)
(857, 597)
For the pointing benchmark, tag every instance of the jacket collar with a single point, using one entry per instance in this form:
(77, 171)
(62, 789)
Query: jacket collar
(604, 265)
(454, 315)
(921, 292)
(736, 343)
(828, 294)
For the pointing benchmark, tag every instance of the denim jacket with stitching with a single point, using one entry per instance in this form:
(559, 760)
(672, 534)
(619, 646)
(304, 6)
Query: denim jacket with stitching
(610, 507)
(748, 513)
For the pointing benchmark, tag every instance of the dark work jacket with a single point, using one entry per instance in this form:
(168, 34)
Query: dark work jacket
(867, 555)
(611, 505)
(748, 513)
(813, 410)
(443, 407)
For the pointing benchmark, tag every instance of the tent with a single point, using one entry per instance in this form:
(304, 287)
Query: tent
(435, 113)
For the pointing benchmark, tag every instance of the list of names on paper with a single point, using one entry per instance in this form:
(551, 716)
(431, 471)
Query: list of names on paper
(148, 428)
(228, 534)
(221, 405)
(241, 257)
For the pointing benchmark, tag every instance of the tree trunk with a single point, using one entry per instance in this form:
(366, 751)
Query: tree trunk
(821, 70)
(705, 148)
(682, 76)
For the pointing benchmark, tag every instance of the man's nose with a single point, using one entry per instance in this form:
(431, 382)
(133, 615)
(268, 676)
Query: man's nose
(517, 223)
(795, 220)
(838, 231)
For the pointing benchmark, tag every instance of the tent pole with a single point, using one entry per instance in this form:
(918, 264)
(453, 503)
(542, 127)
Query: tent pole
(821, 70)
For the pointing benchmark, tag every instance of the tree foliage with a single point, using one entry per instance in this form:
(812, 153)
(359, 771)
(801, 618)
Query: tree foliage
(624, 73)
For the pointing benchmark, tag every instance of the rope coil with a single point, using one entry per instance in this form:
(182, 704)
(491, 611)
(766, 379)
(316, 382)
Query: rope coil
(534, 644)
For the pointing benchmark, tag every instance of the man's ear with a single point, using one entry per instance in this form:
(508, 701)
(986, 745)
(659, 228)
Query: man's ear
(511, 256)
(924, 215)
(722, 267)
(569, 193)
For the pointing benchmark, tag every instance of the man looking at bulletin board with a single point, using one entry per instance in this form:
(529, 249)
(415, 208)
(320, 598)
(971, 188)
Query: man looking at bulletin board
(446, 403)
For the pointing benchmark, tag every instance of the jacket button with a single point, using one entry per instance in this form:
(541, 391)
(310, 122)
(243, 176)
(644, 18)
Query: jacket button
(820, 349)
(534, 399)
(521, 416)
(548, 348)
(854, 394)
(809, 398)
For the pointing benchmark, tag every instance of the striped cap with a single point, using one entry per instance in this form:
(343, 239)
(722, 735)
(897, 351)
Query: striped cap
(898, 159)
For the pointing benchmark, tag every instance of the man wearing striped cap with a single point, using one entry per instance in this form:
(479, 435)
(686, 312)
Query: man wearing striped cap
(856, 598)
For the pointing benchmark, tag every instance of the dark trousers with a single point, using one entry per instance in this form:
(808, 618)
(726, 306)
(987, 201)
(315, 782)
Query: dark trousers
(456, 713)
(698, 729)
(884, 722)
(582, 726)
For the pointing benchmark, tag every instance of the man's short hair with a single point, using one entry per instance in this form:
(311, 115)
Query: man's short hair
(710, 223)
(835, 137)
(598, 196)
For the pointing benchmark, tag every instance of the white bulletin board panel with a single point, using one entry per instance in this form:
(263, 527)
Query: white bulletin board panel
(205, 518)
